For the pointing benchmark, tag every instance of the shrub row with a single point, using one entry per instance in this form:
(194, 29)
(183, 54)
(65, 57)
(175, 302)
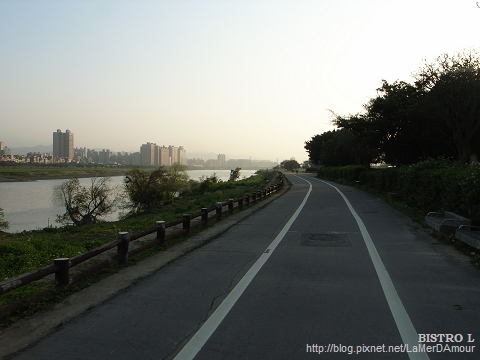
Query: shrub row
(349, 174)
(431, 185)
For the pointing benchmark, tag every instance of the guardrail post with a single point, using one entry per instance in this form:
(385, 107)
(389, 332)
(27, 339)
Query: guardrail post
(122, 247)
(160, 225)
(259, 193)
(247, 199)
(62, 275)
(205, 216)
(186, 222)
(218, 210)
(240, 203)
(230, 205)
(254, 196)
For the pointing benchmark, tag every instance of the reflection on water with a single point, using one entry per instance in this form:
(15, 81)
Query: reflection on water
(29, 205)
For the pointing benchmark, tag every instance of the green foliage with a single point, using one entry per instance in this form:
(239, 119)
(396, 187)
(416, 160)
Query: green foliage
(290, 165)
(431, 185)
(455, 100)
(349, 174)
(205, 182)
(146, 190)
(363, 137)
(27, 251)
(234, 174)
(85, 205)
(331, 148)
(438, 115)
(20, 253)
(3, 224)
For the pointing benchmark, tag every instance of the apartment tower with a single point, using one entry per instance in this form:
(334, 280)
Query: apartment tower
(63, 145)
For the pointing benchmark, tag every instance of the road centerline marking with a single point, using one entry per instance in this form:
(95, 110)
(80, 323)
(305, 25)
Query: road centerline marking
(404, 325)
(195, 344)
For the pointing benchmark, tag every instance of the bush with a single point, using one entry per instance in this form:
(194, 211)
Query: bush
(350, 173)
(3, 224)
(431, 185)
(146, 190)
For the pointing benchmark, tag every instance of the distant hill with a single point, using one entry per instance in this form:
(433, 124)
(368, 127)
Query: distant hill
(39, 148)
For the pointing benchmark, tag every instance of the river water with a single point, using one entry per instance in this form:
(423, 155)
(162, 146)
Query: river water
(29, 205)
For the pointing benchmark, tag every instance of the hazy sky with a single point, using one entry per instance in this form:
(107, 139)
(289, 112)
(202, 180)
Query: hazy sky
(244, 78)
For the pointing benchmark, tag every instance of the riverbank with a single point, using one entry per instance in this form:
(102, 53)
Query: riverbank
(29, 329)
(30, 250)
(36, 173)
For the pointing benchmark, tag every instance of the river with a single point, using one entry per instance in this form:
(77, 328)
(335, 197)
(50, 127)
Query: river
(29, 205)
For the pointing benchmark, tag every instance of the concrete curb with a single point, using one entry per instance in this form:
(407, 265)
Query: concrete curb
(26, 332)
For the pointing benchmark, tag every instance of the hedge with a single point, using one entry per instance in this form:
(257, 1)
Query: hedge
(431, 185)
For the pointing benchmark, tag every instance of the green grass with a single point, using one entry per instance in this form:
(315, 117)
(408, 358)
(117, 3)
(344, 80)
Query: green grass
(30, 250)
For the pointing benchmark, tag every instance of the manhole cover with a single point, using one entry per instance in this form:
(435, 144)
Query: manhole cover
(323, 237)
(320, 239)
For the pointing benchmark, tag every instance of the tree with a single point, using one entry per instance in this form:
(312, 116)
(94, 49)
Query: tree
(427, 75)
(455, 100)
(205, 182)
(393, 113)
(147, 190)
(453, 97)
(290, 165)
(177, 179)
(364, 140)
(3, 224)
(234, 174)
(85, 205)
(331, 148)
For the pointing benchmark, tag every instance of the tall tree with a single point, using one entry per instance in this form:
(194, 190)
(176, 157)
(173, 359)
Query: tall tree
(453, 97)
(365, 137)
(455, 100)
(331, 148)
(147, 190)
(430, 72)
(391, 111)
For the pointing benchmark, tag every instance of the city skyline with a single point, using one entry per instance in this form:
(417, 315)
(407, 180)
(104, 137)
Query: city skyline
(149, 154)
(247, 78)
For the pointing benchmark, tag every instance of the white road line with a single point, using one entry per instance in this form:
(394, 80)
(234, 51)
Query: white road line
(404, 324)
(191, 349)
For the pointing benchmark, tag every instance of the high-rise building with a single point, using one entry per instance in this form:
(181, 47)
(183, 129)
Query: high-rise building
(221, 159)
(164, 156)
(63, 145)
(173, 153)
(147, 154)
(182, 155)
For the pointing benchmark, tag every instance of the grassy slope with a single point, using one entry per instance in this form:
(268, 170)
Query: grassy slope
(27, 251)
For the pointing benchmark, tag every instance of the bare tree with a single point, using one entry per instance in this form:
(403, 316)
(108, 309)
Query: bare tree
(86, 205)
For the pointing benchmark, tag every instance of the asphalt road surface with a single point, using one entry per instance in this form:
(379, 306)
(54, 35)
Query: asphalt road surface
(325, 271)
